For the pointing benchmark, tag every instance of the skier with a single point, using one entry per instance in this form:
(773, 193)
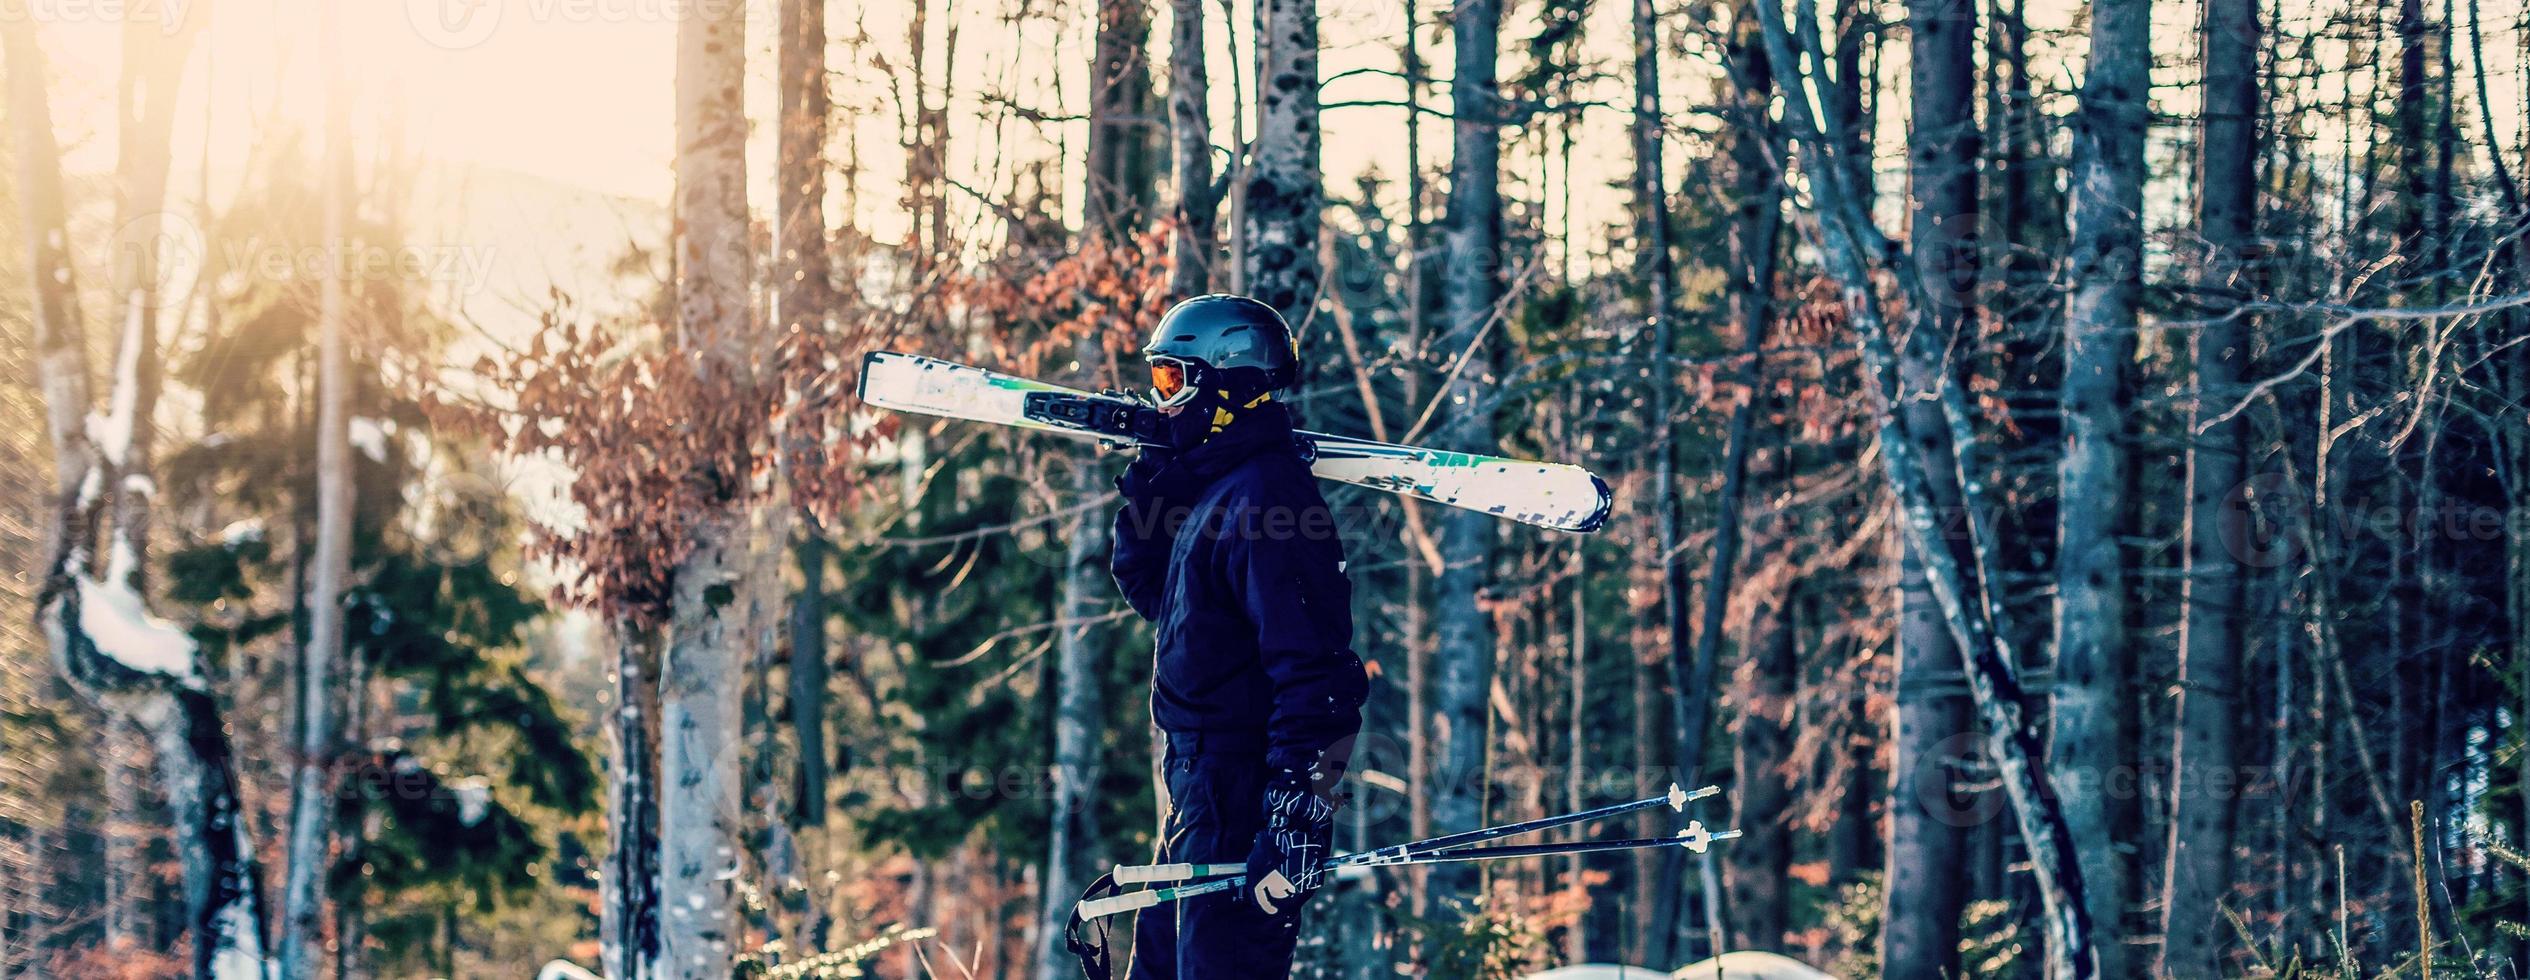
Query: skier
(1224, 543)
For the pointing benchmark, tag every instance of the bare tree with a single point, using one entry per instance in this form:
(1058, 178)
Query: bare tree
(2093, 663)
(1280, 205)
(1472, 299)
(1919, 930)
(2212, 644)
(1121, 185)
(137, 668)
(804, 274)
(312, 784)
(153, 66)
(1190, 141)
(1929, 490)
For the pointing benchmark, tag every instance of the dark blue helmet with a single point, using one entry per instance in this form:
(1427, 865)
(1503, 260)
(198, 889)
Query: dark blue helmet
(1229, 340)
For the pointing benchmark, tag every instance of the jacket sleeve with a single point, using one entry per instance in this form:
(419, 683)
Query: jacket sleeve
(1142, 539)
(1286, 565)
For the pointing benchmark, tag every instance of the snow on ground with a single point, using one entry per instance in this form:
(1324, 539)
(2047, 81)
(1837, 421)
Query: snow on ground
(112, 617)
(1746, 964)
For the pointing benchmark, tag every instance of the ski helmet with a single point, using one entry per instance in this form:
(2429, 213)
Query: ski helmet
(1223, 340)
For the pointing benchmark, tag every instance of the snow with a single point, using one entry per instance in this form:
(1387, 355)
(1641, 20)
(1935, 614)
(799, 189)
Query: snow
(242, 533)
(1745, 964)
(112, 432)
(112, 617)
(370, 437)
(474, 799)
(564, 970)
(241, 955)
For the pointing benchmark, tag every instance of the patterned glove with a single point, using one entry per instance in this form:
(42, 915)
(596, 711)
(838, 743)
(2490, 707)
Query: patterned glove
(1288, 857)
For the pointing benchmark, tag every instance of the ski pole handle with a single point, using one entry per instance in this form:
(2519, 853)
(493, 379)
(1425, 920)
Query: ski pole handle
(1126, 902)
(1131, 901)
(1143, 874)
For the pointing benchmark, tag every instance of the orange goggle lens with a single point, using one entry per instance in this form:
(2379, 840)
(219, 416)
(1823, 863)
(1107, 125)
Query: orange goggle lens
(1167, 378)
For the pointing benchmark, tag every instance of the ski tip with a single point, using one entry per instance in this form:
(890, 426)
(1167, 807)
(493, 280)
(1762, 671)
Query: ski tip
(861, 385)
(1598, 516)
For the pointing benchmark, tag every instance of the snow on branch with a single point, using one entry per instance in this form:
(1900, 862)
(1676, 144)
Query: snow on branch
(116, 625)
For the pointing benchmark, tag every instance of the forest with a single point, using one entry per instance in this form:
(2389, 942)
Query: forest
(2070, 468)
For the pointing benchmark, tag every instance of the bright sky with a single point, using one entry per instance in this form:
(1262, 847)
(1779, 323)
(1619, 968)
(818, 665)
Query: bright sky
(578, 92)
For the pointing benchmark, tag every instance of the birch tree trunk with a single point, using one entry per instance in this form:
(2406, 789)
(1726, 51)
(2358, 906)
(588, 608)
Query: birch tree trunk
(2093, 663)
(1190, 142)
(2212, 645)
(1472, 288)
(1956, 567)
(312, 784)
(699, 807)
(150, 675)
(1279, 209)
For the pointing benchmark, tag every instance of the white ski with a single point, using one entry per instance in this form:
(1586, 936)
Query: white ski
(1551, 495)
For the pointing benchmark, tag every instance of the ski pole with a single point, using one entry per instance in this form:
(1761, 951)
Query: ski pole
(1695, 838)
(1676, 799)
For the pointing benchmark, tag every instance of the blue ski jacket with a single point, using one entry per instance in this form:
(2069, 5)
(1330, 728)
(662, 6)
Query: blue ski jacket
(1230, 551)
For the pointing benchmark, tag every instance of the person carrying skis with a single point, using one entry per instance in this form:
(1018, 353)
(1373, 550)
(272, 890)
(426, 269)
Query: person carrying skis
(1224, 543)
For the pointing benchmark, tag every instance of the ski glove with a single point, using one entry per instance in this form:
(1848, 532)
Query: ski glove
(1286, 863)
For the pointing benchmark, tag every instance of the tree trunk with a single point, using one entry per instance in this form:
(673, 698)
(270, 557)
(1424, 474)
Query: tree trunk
(1655, 270)
(2203, 794)
(312, 784)
(1280, 207)
(155, 686)
(1463, 637)
(1122, 181)
(1190, 141)
(153, 66)
(1756, 215)
(804, 275)
(699, 806)
(628, 908)
(1920, 927)
(2093, 663)
(1761, 910)
(1120, 187)
(1956, 567)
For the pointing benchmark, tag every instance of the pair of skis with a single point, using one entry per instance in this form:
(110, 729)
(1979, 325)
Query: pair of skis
(1466, 846)
(1552, 495)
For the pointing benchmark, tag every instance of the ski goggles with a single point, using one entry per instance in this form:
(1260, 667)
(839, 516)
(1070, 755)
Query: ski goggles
(1171, 384)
